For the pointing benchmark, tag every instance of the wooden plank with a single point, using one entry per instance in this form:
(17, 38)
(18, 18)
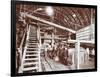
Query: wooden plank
(51, 65)
(32, 63)
(29, 68)
(50, 23)
(56, 66)
(45, 64)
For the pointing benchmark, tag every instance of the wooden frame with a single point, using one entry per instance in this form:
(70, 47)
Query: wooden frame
(13, 36)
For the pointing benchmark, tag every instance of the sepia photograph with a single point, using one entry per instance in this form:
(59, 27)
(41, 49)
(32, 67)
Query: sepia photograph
(54, 37)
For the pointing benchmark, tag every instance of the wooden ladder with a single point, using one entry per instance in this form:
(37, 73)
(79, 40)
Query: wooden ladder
(31, 55)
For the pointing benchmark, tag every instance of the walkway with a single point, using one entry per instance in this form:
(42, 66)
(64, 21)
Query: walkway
(50, 65)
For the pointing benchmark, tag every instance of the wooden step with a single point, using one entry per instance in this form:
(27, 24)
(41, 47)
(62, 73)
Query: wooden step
(32, 55)
(31, 51)
(32, 43)
(32, 39)
(30, 68)
(28, 57)
(33, 36)
(31, 32)
(31, 59)
(29, 44)
(34, 46)
(31, 63)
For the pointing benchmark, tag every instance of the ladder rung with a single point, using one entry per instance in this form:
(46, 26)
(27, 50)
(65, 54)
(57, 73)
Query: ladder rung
(32, 43)
(31, 59)
(32, 55)
(32, 48)
(33, 35)
(31, 51)
(32, 39)
(32, 63)
(30, 68)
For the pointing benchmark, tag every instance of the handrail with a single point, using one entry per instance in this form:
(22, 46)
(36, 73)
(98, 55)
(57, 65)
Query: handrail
(22, 42)
(21, 46)
(23, 37)
(39, 46)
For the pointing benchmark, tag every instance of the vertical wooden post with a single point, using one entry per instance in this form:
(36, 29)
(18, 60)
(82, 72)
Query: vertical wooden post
(20, 67)
(69, 36)
(73, 61)
(87, 55)
(77, 54)
(39, 52)
(52, 39)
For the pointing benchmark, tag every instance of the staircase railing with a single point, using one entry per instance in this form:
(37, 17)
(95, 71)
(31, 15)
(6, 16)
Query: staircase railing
(20, 49)
(39, 46)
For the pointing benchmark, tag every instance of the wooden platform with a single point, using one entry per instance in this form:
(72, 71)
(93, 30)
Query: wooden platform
(50, 65)
(90, 64)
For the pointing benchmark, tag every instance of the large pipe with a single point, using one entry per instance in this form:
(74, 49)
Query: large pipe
(50, 23)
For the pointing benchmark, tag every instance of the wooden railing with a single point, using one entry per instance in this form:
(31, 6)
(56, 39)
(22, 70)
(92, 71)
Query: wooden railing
(39, 46)
(20, 49)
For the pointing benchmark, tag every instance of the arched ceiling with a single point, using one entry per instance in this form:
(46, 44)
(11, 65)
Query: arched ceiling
(73, 18)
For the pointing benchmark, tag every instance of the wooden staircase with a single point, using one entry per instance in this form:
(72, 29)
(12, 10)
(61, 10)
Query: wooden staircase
(31, 55)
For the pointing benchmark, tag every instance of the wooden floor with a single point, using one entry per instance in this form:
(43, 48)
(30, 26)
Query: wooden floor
(90, 64)
(50, 65)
